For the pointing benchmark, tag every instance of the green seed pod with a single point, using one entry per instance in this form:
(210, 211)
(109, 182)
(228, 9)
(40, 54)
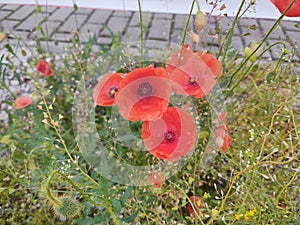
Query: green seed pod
(67, 209)
(200, 21)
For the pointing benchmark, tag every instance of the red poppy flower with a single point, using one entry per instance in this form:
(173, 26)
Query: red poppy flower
(282, 5)
(198, 204)
(44, 68)
(144, 94)
(222, 137)
(193, 73)
(106, 89)
(23, 102)
(156, 179)
(171, 136)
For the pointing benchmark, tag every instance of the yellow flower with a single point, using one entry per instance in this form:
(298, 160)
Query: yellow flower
(237, 217)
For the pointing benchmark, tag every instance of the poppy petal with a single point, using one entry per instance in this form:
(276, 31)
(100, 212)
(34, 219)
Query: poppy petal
(171, 136)
(106, 89)
(22, 102)
(144, 94)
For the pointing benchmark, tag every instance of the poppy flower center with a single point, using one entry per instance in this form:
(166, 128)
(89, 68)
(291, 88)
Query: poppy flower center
(112, 92)
(144, 90)
(170, 136)
(192, 81)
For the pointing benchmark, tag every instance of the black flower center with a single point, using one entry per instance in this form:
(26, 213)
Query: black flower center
(192, 82)
(170, 136)
(112, 91)
(144, 90)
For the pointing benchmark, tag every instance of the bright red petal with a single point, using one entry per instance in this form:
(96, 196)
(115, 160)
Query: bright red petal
(170, 137)
(44, 68)
(22, 102)
(107, 87)
(197, 203)
(144, 94)
(282, 5)
(194, 77)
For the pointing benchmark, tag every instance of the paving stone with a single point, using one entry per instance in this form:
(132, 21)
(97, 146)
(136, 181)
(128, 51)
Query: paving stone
(135, 19)
(122, 13)
(209, 39)
(250, 35)
(23, 35)
(31, 22)
(176, 36)
(180, 21)
(89, 30)
(160, 29)
(116, 25)
(167, 16)
(63, 36)
(132, 34)
(61, 14)
(159, 44)
(73, 23)
(9, 25)
(48, 9)
(104, 40)
(277, 33)
(49, 27)
(22, 12)
(10, 7)
(211, 29)
(82, 10)
(293, 35)
(237, 43)
(247, 22)
(4, 14)
(290, 25)
(224, 25)
(52, 48)
(100, 16)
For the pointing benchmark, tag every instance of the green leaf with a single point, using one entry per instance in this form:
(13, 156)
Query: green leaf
(75, 7)
(116, 204)
(271, 76)
(252, 27)
(9, 49)
(131, 217)
(126, 195)
(203, 134)
(23, 52)
(38, 8)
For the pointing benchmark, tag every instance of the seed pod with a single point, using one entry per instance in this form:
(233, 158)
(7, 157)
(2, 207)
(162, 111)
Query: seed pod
(195, 38)
(200, 21)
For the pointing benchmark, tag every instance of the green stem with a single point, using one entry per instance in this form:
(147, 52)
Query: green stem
(259, 56)
(141, 28)
(198, 5)
(287, 185)
(62, 141)
(187, 23)
(48, 191)
(230, 31)
(7, 88)
(187, 197)
(262, 41)
(52, 198)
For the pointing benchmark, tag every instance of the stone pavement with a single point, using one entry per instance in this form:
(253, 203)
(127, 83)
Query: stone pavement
(55, 27)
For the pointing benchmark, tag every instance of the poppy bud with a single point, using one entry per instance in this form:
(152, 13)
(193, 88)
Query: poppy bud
(200, 21)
